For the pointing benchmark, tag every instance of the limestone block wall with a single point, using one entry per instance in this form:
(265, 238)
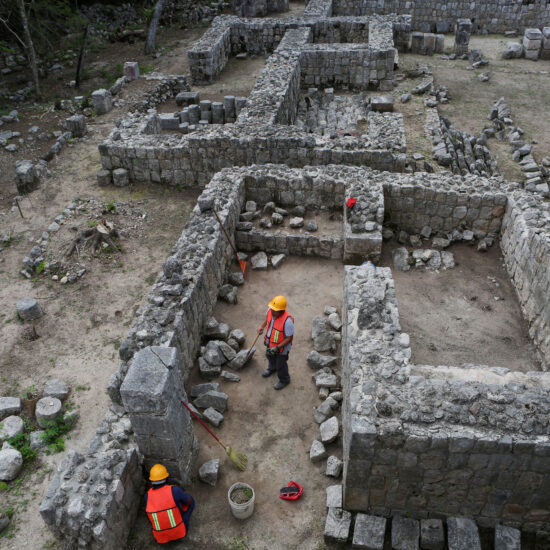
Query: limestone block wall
(492, 15)
(319, 8)
(151, 393)
(354, 65)
(93, 498)
(431, 441)
(322, 246)
(209, 55)
(525, 244)
(274, 98)
(192, 159)
(445, 203)
(232, 35)
(317, 189)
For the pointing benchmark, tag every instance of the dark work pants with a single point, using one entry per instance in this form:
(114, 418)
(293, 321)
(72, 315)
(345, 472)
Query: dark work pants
(186, 516)
(279, 363)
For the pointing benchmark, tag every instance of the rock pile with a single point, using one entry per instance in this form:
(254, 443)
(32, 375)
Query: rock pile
(221, 350)
(49, 408)
(326, 335)
(429, 259)
(504, 129)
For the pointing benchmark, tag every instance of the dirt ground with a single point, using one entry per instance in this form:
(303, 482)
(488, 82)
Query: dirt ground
(274, 428)
(522, 83)
(453, 318)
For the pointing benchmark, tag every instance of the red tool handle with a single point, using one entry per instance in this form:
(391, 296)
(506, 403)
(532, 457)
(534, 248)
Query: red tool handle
(203, 424)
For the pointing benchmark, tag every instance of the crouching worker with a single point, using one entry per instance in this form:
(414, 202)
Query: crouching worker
(168, 507)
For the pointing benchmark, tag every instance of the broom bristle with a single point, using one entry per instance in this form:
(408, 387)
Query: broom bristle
(239, 459)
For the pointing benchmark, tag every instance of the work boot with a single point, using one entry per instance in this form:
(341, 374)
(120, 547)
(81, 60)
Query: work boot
(267, 373)
(280, 385)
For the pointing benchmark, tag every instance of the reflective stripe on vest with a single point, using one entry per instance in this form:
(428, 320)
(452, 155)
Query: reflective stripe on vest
(278, 328)
(164, 515)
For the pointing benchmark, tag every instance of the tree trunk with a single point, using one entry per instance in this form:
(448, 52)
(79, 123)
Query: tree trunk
(81, 58)
(31, 55)
(152, 31)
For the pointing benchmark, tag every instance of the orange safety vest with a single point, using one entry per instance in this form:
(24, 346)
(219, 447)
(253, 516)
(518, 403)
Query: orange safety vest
(164, 515)
(277, 330)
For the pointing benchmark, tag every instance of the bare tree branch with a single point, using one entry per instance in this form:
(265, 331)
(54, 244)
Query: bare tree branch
(5, 23)
(31, 55)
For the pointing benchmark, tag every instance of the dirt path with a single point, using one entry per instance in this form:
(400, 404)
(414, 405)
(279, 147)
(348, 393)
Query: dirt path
(522, 83)
(84, 322)
(453, 318)
(275, 429)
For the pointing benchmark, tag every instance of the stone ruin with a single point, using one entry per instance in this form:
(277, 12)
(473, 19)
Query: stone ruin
(418, 440)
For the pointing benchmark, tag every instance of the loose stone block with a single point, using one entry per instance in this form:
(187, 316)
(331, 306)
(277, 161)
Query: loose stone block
(334, 496)
(334, 467)
(212, 399)
(230, 376)
(337, 525)
(11, 462)
(316, 360)
(259, 261)
(317, 451)
(229, 108)
(507, 538)
(432, 535)
(28, 309)
(169, 122)
(462, 36)
(208, 472)
(213, 416)
(369, 532)
(37, 440)
(56, 388)
(47, 410)
(199, 389)
(240, 103)
(120, 177)
(10, 427)
(131, 70)
(9, 406)
(382, 104)
(217, 113)
(462, 534)
(103, 101)
(76, 125)
(404, 533)
(330, 429)
(104, 178)
(194, 114)
(187, 98)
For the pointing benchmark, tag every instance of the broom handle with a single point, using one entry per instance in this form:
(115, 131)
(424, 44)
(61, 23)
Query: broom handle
(254, 343)
(227, 236)
(203, 424)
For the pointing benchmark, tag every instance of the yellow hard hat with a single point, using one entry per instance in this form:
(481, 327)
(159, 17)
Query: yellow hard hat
(278, 303)
(158, 473)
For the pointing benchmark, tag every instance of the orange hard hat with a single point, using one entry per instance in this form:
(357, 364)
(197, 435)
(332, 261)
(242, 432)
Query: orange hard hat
(158, 473)
(278, 303)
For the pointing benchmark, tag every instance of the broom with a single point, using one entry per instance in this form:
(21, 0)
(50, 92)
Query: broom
(239, 459)
(243, 264)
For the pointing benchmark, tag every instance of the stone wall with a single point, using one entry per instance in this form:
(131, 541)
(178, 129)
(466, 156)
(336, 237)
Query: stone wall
(432, 441)
(232, 35)
(525, 244)
(192, 159)
(352, 65)
(445, 203)
(93, 498)
(492, 15)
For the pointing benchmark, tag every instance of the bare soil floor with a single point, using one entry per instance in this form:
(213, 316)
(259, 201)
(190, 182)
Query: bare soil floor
(275, 429)
(522, 83)
(453, 317)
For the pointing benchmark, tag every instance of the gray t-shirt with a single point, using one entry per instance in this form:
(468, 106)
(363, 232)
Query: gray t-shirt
(288, 330)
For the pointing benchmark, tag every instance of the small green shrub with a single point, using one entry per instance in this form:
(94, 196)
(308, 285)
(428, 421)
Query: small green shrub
(40, 267)
(54, 433)
(22, 443)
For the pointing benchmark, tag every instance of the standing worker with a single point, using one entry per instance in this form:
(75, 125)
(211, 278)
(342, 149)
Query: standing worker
(278, 340)
(168, 507)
